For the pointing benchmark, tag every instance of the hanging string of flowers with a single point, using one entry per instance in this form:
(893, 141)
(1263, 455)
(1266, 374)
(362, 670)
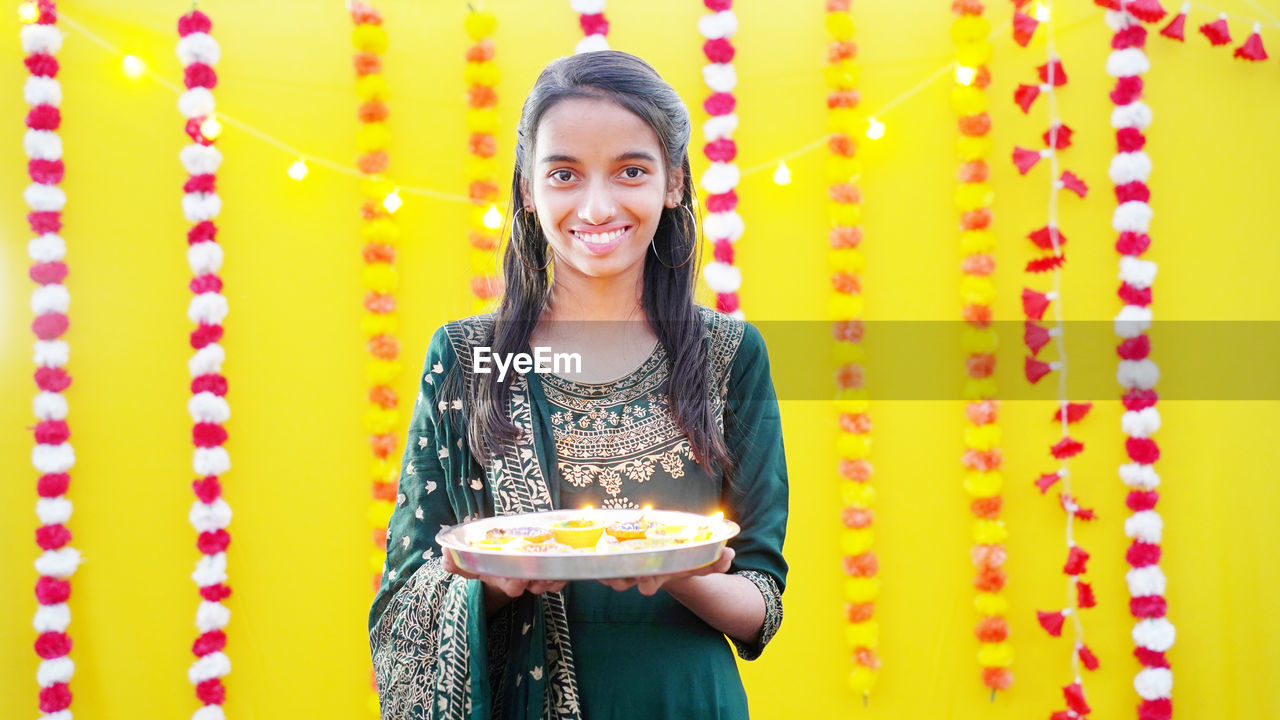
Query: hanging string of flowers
(1050, 241)
(52, 456)
(862, 586)
(982, 458)
(722, 223)
(210, 514)
(380, 235)
(595, 28)
(1130, 169)
(481, 75)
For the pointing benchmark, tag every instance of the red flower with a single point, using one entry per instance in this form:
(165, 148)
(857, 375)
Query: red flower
(720, 104)
(52, 379)
(50, 645)
(1217, 31)
(194, 22)
(1075, 412)
(1065, 448)
(1059, 75)
(1138, 399)
(46, 172)
(721, 150)
(593, 24)
(52, 484)
(210, 642)
(215, 593)
(52, 432)
(1142, 450)
(1051, 621)
(1087, 658)
(211, 382)
(54, 698)
(52, 537)
(1077, 559)
(719, 50)
(199, 75)
(50, 326)
(1148, 606)
(211, 692)
(41, 64)
(1142, 554)
(213, 542)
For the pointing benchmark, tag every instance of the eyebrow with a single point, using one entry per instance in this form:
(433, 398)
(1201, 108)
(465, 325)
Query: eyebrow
(632, 155)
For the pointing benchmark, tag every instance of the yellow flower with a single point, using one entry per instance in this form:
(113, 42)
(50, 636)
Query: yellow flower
(379, 324)
(861, 590)
(852, 394)
(379, 277)
(975, 389)
(840, 26)
(844, 214)
(844, 307)
(844, 353)
(991, 604)
(371, 87)
(968, 100)
(842, 75)
(379, 420)
(862, 680)
(369, 38)
(841, 169)
(983, 484)
(482, 120)
(856, 447)
(856, 494)
(380, 230)
(843, 120)
(850, 260)
(481, 73)
(974, 54)
(974, 340)
(977, 241)
(969, 28)
(973, 148)
(376, 187)
(852, 406)
(372, 136)
(864, 634)
(480, 24)
(382, 372)
(977, 290)
(482, 263)
(982, 437)
(971, 196)
(382, 469)
(989, 532)
(995, 654)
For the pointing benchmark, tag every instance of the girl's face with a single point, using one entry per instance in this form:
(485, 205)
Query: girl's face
(598, 184)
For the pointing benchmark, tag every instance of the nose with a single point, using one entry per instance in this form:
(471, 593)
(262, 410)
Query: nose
(598, 206)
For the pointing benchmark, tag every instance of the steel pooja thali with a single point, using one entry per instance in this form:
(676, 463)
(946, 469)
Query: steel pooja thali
(587, 544)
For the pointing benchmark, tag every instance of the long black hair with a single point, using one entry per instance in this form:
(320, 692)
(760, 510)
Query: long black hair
(670, 269)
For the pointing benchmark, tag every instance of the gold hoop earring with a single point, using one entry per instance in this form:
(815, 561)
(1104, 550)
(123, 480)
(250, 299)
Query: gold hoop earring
(520, 231)
(692, 245)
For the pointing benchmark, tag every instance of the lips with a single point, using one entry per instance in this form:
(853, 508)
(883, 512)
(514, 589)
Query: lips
(602, 240)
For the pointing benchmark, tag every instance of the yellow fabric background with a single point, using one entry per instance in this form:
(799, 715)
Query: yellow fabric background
(298, 563)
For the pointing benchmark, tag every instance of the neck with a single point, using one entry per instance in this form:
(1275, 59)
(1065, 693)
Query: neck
(577, 297)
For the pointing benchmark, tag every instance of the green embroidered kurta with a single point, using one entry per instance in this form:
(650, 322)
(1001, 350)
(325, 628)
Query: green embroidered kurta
(589, 652)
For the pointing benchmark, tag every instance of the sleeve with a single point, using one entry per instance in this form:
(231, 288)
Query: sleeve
(423, 619)
(757, 497)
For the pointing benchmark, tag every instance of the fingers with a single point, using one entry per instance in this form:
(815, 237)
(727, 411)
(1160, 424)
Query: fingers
(450, 566)
(538, 587)
(511, 587)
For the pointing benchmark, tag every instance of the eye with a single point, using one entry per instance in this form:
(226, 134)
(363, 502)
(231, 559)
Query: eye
(562, 176)
(639, 172)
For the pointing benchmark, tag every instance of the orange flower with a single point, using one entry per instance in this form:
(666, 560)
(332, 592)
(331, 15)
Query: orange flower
(857, 423)
(374, 162)
(371, 209)
(846, 193)
(850, 377)
(975, 125)
(855, 470)
(384, 491)
(379, 302)
(482, 240)
(978, 264)
(480, 52)
(841, 144)
(973, 171)
(987, 508)
(863, 565)
(979, 219)
(847, 330)
(997, 678)
(373, 111)
(841, 50)
(384, 347)
(366, 63)
(966, 7)
(382, 444)
(846, 283)
(866, 658)
(379, 252)
(382, 395)
(859, 612)
(482, 144)
(843, 236)
(989, 580)
(482, 190)
(485, 287)
(981, 365)
(977, 315)
(843, 99)
(838, 5)
(857, 518)
(363, 14)
(481, 96)
(992, 630)
(988, 556)
(982, 413)
(982, 78)
(380, 534)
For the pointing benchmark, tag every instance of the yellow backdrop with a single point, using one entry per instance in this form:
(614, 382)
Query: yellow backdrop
(299, 560)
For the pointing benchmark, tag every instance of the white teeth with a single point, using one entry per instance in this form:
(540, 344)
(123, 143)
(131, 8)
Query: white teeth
(600, 238)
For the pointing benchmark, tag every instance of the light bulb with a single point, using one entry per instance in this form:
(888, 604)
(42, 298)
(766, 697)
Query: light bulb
(298, 169)
(782, 175)
(392, 201)
(965, 75)
(875, 129)
(1041, 12)
(492, 218)
(211, 128)
(133, 66)
(28, 12)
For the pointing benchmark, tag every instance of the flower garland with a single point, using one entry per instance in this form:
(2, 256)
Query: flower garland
(862, 586)
(1217, 31)
(210, 514)
(722, 224)
(982, 459)
(481, 75)
(52, 456)
(1153, 634)
(1050, 240)
(595, 27)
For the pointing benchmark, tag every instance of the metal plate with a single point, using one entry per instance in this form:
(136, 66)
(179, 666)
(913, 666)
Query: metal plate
(585, 564)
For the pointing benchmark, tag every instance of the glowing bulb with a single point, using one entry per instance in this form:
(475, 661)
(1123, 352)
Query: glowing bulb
(392, 201)
(782, 175)
(718, 516)
(493, 221)
(133, 66)
(28, 12)
(298, 169)
(965, 75)
(875, 129)
(1041, 12)
(211, 128)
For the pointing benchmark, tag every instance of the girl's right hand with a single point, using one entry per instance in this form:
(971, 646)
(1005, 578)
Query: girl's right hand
(497, 587)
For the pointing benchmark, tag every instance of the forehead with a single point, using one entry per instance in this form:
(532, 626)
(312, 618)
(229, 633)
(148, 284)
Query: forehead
(593, 128)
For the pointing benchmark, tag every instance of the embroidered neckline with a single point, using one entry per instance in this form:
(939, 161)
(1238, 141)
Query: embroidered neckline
(655, 360)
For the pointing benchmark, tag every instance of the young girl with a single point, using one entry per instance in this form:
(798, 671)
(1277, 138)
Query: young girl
(673, 408)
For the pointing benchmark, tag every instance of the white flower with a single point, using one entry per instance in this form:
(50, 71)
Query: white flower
(42, 145)
(1153, 683)
(209, 712)
(60, 563)
(41, 38)
(50, 298)
(1118, 20)
(722, 24)
(40, 90)
(50, 406)
(1127, 167)
(1138, 273)
(53, 511)
(1132, 321)
(47, 248)
(57, 670)
(720, 126)
(1135, 115)
(209, 308)
(1155, 634)
(722, 277)
(210, 461)
(720, 178)
(196, 103)
(720, 77)
(723, 225)
(591, 43)
(198, 48)
(210, 570)
(205, 407)
(212, 616)
(1145, 581)
(53, 458)
(198, 207)
(206, 517)
(204, 257)
(52, 353)
(1132, 216)
(738, 315)
(200, 159)
(1140, 477)
(1141, 374)
(207, 360)
(1145, 526)
(52, 618)
(208, 667)
(1140, 423)
(1127, 62)
(42, 197)
(587, 7)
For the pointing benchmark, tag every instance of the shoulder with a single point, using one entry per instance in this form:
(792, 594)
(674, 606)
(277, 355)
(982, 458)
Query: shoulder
(734, 347)
(454, 341)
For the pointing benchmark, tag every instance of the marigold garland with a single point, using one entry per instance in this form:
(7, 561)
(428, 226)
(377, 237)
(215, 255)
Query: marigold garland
(1130, 169)
(1050, 240)
(210, 514)
(380, 235)
(481, 75)
(721, 224)
(52, 456)
(862, 586)
(595, 28)
(982, 459)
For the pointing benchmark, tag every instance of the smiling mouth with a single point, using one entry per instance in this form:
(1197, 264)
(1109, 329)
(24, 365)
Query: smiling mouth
(601, 241)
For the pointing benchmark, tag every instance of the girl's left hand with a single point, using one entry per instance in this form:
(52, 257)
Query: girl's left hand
(650, 584)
